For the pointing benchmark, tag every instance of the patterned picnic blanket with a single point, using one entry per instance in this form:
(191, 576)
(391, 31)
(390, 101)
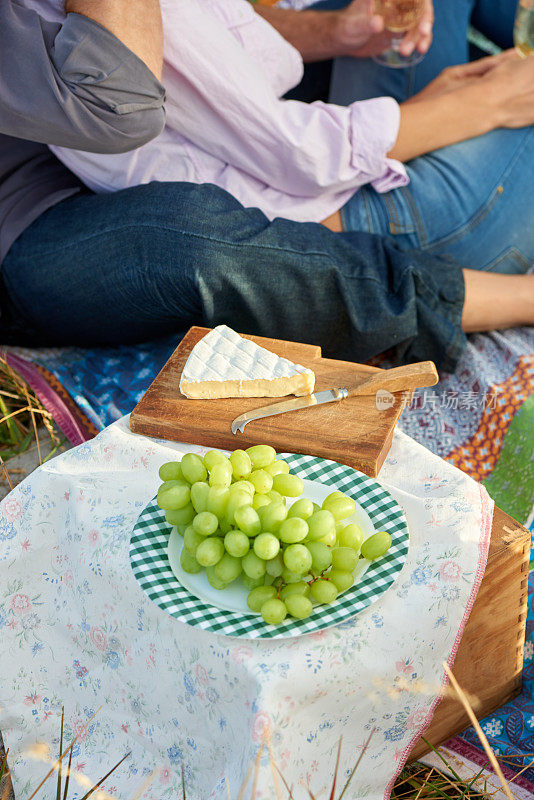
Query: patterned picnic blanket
(481, 419)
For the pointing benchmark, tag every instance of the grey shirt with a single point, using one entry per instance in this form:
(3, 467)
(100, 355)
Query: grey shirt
(74, 85)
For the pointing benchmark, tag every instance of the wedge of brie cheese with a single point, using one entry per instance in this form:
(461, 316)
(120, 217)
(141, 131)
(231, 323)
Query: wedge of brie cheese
(223, 364)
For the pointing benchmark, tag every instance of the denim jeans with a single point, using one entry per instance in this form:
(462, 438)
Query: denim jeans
(155, 259)
(472, 201)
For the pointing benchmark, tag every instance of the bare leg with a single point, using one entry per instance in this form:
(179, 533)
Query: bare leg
(494, 301)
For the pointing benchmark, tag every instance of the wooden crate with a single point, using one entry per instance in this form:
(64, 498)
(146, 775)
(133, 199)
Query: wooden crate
(489, 661)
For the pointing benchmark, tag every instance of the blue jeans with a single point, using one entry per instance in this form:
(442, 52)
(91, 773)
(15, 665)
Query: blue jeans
(155, 259)
(472, 201)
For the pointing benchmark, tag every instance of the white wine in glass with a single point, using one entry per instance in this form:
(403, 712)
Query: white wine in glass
(524, 28)
(399, 17)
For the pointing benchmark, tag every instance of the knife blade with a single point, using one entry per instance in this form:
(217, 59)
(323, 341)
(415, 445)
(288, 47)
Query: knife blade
(316, 399)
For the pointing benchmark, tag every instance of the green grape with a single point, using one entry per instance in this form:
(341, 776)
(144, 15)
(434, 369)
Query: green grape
(188, 562)
(237, 543)
(342, 579)
(228, 568)
(199, 496)
(237, 499)
(376, 545)
(181, 529)
(276, 497)
(245, 486)
(224, 526)
(205, 523)
(253, 566)
(266, 546)
(300, 587)
(260, 500)
(344, 558)
(209, 551)
(290, 577)
(171, 471)
(173, 495)
(268, 580)
(277, 467)
(302, 508)
(192, 540)
(213, 457)
(247, 520)
(252, 583)
(213, 580)
(182, 516)
(193, 468)
(350, 536)
(275, 566)
(321, 523)
(293, 530)
(321, 556)
(241, 464)
(261, 455)
(298, 606)
(339, 505)
(288, 485)
(330, 539)
(221, 475)
(323, 592)
(218, 498)
(316, 508)
(273, 611)
(261, 480)
(272, 516)
(297, 558)
(259, 596)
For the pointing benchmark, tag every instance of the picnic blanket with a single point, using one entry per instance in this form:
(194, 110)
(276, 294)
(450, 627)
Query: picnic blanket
(481, 419)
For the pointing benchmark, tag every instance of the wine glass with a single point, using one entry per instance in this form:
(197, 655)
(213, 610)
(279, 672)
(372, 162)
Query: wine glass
(524, 28)
(400, 16)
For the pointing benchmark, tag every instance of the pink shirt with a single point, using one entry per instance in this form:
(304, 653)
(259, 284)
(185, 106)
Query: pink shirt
(225, 72)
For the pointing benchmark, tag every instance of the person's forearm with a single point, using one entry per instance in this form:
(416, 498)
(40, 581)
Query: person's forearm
(313, 33)
(445, 119)
(137, 23)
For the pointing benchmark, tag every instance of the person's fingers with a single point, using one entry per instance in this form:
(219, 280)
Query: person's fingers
(420, 36)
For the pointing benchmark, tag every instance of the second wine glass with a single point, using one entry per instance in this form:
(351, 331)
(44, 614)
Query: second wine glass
(399, 17)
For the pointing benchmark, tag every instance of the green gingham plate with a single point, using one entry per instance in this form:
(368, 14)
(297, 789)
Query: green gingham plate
(150, 563)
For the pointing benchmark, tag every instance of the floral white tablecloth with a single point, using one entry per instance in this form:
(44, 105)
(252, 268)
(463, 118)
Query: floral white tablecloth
(77, 630)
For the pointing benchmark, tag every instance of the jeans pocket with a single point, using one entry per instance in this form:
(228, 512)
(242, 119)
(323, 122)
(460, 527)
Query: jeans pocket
(510, 262)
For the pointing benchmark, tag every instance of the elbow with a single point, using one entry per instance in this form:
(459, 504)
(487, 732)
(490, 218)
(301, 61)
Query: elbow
(130, 131)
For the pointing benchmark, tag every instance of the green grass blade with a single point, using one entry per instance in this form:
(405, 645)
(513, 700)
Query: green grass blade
(58, 791)
(67, 779)
(14, 432)
(366, 745)
(443, 760)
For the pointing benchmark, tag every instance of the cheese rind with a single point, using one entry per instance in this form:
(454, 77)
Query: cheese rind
(223, 364)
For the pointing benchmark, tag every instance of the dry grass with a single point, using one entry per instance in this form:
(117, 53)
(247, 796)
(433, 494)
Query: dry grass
(25, 425)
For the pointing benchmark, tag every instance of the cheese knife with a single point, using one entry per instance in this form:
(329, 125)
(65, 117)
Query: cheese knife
(398, 379)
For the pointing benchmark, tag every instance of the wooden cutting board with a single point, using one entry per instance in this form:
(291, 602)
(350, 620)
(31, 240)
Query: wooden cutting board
(352, 431)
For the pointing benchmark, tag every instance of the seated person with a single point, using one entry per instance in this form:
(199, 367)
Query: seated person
(449, 170)
(89, 269)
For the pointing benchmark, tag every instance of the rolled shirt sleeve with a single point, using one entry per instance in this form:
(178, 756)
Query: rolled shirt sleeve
(74, 84)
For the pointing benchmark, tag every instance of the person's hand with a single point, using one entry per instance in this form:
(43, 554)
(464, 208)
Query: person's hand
(360, 32)
(459, 75)
(510, 87)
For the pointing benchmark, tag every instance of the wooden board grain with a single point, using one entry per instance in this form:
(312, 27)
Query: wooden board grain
(353, 431)
(489, 661)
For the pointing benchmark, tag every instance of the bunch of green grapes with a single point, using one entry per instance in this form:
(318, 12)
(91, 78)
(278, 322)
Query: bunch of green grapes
(234, 516)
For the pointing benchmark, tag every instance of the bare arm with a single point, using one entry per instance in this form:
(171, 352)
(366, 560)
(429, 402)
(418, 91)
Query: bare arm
(137, 23)
(467, 101)
(351, 31)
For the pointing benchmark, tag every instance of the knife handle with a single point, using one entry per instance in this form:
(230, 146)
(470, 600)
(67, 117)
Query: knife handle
(399, 379)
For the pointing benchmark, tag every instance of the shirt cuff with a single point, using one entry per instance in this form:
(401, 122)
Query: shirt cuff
(374, 130)
(100, 68)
